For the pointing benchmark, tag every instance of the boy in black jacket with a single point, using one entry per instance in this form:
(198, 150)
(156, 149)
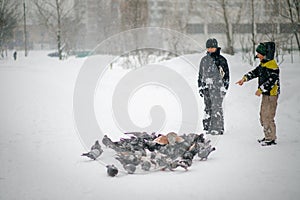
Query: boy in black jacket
(269, 87)
(213, 82)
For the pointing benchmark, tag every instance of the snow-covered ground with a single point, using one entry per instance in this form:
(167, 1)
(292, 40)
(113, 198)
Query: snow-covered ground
(40, 146)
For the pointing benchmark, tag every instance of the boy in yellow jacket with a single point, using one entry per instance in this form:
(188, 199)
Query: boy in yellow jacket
(269, 87)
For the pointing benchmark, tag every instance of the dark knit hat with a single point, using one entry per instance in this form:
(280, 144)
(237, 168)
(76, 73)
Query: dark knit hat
(211, 43)
(261, 49)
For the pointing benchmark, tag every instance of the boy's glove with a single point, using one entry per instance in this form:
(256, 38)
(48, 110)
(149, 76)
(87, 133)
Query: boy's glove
(202, 91)
(223, 91)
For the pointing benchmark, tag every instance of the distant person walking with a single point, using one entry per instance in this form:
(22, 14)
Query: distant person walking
(269, 87)
(213, 83)
(15, 55)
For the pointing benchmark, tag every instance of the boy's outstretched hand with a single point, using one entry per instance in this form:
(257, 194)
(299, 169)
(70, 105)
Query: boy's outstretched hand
(240, 82)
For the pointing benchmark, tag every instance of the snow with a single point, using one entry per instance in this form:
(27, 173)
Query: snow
(40, 146)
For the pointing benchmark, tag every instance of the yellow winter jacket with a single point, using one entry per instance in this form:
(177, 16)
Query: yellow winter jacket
(268, 77)
(272, 65)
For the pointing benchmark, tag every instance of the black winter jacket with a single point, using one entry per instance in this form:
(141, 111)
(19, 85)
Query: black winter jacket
(219, 62)
(268, 77)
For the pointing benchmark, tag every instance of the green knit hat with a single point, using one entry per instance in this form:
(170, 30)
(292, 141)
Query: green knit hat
(261, 49)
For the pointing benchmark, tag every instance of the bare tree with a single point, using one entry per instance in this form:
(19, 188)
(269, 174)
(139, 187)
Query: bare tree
(228, 17)
(228, 33)
(293, 15)
(253, 27)
(134, 14)
(25, 29)
(108, 18)
(59, 20)
(176, 18)
(279, 25)
(9, 17)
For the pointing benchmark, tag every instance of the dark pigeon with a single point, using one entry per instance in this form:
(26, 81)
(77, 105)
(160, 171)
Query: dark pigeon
(112, 170)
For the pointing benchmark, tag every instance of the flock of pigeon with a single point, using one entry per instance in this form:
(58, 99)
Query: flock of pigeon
(152, 152)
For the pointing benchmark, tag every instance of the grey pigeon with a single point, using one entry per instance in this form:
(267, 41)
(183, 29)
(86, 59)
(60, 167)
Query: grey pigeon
(180, 163)
(139, 134)
(128, 158)
(130, 168)
(188, 155)
(185, 163)
(96, 145)
(146, 165)
(93, 154)
(107, 141)
(95, 151)
(195, 148)
(112, 170)
(204, 152)
(162, 160)
(173, 164)
(206, 143)
(152, 155)
(200, 138)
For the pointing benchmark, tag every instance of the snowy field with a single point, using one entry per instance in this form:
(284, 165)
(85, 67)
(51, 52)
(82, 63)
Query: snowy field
(40, 146)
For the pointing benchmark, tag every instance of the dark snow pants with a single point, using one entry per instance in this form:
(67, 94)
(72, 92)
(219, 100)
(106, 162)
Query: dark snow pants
(213, 121)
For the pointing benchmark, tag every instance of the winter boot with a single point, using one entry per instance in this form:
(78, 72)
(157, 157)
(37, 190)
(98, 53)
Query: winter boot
(261, 140)
(268, 143)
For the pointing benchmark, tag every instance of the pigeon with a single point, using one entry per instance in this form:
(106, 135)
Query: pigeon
(200, 138)
(190, 138)
(185, 163)
(188, 155)
(206, 143)
(146, 165)
(130, 168)
(112, 170)
(180, 163)
(204, 152)
(162, 160)
(142, 135)
(153, 136)
(173, 151)
(95, 151)
(162, 140)
(107, 141)
(173, 138)
(128, 158)
(151, 146)
(152, 155)
(93, 154)
(96, 145)
(194, 148)
(173, 164)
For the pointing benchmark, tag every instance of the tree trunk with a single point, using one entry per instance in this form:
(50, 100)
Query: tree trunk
(58, 30)
(293, 21)
(253, 27)
(229, 48)
(25, 31)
